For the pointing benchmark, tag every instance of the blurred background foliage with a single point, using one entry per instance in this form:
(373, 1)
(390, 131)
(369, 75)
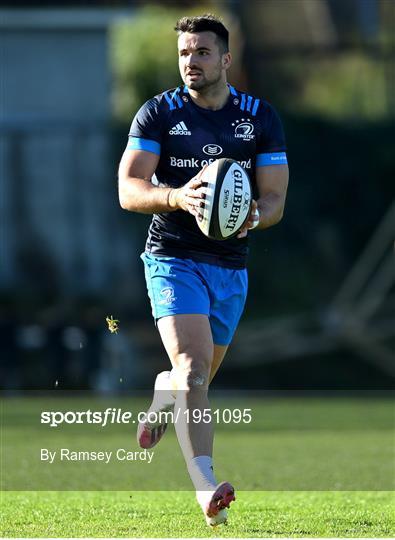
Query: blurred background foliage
(340, 78)
(349, 87)
(143, 58)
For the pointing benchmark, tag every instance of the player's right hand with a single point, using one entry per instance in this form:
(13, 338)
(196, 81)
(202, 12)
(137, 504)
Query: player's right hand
(252, 222)
(190, 197)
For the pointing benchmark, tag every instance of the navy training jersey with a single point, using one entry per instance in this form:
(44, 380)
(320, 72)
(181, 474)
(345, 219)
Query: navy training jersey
(186, 137)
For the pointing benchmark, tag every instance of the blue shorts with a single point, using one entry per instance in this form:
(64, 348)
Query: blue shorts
(179, 286)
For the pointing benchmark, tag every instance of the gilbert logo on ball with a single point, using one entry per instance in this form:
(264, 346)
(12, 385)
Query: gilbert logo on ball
(228, 199)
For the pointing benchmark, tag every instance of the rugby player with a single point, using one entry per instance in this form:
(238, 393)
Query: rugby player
(198, 286)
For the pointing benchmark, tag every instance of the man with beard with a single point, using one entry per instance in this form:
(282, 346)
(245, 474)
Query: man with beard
(198, 286)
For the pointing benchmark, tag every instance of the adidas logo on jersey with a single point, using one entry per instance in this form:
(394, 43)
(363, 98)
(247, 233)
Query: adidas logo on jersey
(180, 129)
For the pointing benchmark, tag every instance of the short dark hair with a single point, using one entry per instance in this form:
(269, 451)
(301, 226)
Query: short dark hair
(205, 23)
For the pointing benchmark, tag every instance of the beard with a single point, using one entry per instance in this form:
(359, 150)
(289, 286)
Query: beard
(203, 83)
(198, 85)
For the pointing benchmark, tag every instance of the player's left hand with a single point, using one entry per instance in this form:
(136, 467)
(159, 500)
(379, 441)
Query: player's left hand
(252, 222)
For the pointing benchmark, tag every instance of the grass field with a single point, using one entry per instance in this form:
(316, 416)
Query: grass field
(175, 514)
(326, 465)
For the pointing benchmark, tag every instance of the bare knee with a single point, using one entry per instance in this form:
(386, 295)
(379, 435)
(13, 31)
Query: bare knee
(191, 374)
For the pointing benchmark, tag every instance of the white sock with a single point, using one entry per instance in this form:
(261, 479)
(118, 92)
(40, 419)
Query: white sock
(200, 470)
(163, 399)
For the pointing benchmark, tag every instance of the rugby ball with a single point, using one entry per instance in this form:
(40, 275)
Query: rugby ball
(228, 198)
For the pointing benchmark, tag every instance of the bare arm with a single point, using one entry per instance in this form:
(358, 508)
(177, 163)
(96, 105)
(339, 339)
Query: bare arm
(272, 182)
(138, 194)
